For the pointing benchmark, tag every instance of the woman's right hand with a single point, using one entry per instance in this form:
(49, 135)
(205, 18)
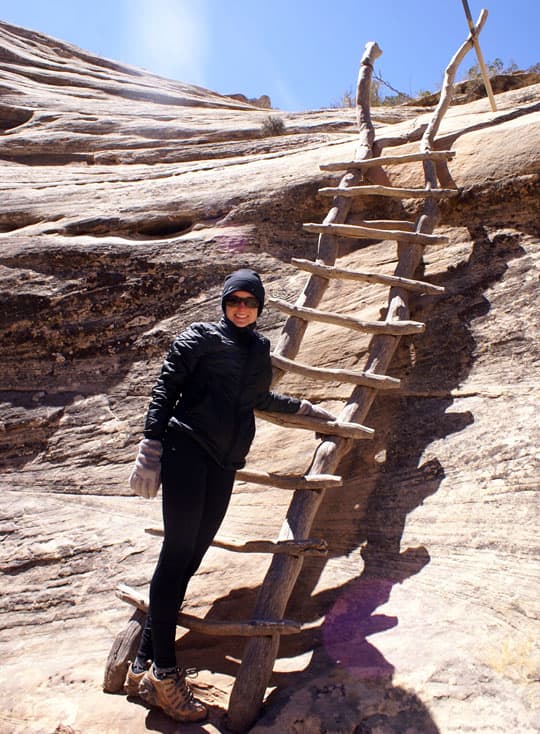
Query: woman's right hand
(146, 475)
(315, 411)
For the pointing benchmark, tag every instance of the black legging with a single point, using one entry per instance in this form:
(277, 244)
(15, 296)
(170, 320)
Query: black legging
(196, 492)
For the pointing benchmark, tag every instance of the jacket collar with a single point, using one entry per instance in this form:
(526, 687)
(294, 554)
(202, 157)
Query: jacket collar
(241, 334)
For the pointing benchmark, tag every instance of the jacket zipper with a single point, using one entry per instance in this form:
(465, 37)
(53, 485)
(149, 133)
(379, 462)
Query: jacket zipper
(236, 422)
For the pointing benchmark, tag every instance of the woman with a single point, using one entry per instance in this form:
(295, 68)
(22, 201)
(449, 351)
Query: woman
(198, 431)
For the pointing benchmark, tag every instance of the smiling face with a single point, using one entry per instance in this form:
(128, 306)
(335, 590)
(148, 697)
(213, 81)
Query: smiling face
(240, 313)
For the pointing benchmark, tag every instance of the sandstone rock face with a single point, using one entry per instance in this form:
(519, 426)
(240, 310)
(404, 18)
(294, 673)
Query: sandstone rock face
(472, 89)
(126, 198)
(262, 101)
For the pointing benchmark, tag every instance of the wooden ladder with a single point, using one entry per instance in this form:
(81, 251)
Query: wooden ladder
(362, 176)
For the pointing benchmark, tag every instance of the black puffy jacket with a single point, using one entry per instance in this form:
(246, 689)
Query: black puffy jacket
(212, 379)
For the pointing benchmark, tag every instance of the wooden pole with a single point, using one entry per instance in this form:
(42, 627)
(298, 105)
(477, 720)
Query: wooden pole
(479, 55)
(260, 653)
(429, 134)
(328, 246)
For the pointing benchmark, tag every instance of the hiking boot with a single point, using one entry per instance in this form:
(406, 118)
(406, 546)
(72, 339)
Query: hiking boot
(172, 695)
(131, 684)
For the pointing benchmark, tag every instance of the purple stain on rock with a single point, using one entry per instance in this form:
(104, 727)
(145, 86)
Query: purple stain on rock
(233, 243)
(351, 620)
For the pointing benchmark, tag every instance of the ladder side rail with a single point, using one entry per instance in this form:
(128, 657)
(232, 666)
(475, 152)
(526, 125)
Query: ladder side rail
(260, 653)
(294, 328)
(382, 347)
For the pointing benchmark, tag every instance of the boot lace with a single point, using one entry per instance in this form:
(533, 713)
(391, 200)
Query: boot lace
(183, 695)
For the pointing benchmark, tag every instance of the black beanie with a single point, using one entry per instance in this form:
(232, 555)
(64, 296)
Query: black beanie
(243, 280)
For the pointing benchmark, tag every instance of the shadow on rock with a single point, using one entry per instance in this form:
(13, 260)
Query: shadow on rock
(385, 483)
(343, 701)
(386, 480)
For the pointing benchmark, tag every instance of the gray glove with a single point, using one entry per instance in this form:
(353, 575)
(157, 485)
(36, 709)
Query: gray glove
(146, 475)
(314, 411)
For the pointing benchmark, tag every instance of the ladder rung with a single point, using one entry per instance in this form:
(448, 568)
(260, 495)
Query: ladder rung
(395, 328)
(249, 628)
(404, 225)
(370, 233)
(290, 481)
(434, 155)
(326, 271)
(327, 428)
(308, 547)
(380, 382)
(395, 192)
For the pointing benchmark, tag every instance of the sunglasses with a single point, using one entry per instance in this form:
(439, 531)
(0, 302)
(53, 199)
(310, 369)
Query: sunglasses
(248, 302)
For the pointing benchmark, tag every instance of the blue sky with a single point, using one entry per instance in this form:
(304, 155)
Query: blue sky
(303, 53)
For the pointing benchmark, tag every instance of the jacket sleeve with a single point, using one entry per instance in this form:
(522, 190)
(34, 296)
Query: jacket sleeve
(274, 402)
(179, 363)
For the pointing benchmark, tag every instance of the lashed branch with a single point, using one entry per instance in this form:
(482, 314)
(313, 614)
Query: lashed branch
(402, 224)
(308, 547)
